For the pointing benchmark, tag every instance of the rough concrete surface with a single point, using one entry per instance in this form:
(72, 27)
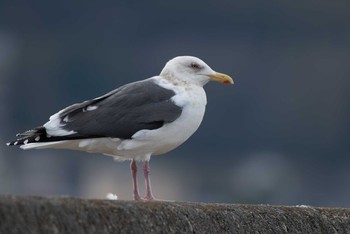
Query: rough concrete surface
(74, 215)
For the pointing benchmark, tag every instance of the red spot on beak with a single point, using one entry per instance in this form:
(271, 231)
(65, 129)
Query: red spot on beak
(227, 82)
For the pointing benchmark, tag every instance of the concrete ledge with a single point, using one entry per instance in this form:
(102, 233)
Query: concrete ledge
(73, 215)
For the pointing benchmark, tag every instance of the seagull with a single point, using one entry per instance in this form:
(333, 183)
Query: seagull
(135, 121)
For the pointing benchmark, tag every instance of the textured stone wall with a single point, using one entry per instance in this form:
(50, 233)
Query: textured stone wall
(74, 215)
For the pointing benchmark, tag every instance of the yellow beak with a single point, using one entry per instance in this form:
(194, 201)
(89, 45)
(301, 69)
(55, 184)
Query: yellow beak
(222, 78)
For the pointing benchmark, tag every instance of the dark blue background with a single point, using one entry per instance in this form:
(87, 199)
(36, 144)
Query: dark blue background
(280, 135)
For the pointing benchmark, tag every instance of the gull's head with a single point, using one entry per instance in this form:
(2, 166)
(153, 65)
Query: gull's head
(192, 70)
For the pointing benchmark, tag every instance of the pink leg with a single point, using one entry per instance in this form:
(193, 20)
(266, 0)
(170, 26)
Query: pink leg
(146, 170)
(133, 168)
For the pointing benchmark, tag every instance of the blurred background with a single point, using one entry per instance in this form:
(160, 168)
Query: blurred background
(280, 135)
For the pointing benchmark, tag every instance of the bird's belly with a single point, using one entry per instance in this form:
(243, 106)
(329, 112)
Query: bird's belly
(166, 138)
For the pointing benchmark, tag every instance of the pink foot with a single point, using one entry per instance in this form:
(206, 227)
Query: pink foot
(133, 168)
(146, 170)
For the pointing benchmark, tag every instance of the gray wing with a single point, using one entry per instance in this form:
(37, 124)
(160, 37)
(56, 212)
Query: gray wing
(120, 113)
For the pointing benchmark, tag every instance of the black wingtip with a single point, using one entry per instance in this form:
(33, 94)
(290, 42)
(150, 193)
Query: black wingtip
(30, 136)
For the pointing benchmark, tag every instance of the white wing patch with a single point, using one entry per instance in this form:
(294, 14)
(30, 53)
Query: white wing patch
(89, 108)
(54, 128)
(66, 119)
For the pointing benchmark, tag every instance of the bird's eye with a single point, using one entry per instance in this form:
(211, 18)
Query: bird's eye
(195, 65)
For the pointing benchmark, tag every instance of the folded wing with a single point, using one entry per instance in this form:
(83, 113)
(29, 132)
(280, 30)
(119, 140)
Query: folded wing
(118, 114)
